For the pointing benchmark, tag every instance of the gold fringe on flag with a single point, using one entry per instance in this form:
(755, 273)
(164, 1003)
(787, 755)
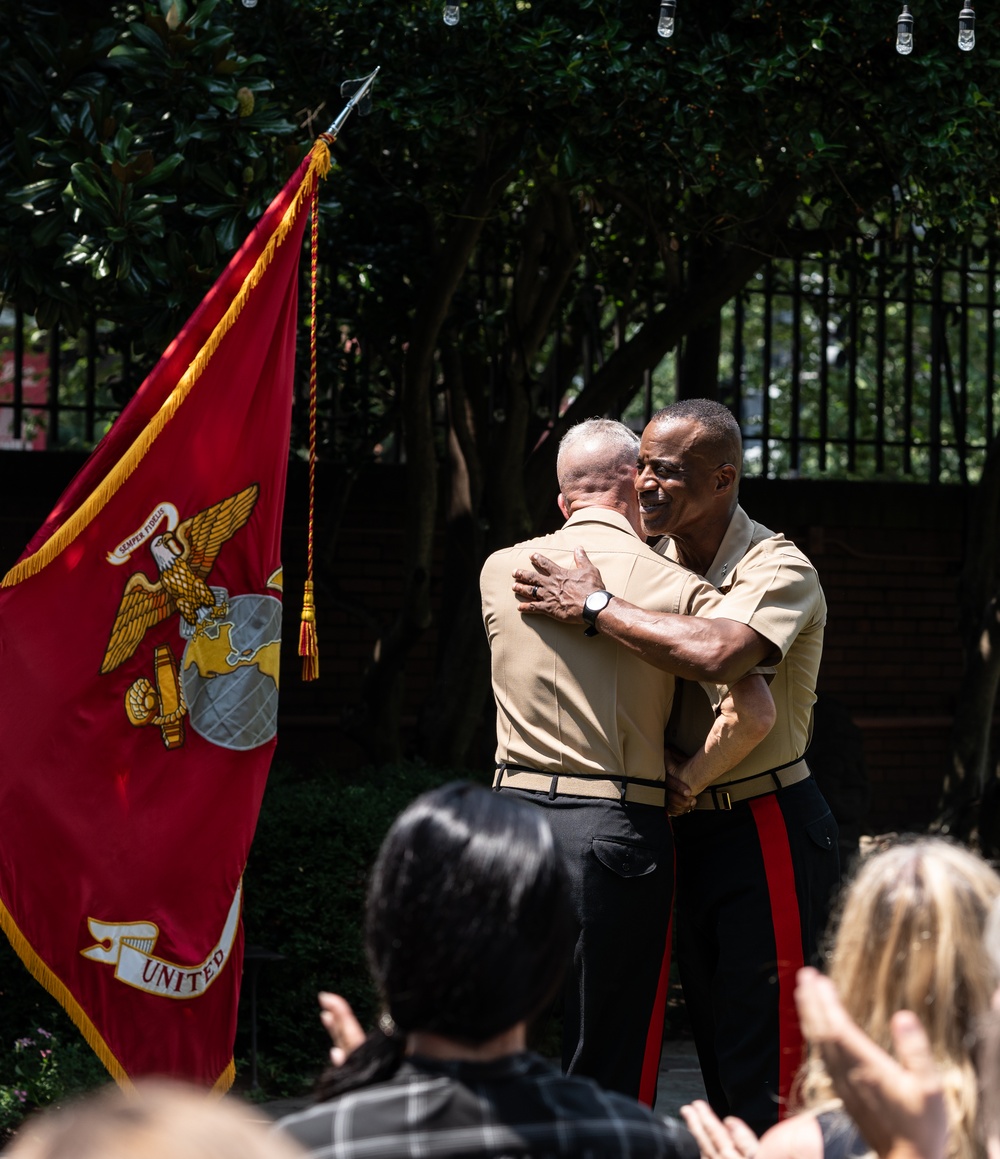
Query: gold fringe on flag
(60, 992)
(319, 166)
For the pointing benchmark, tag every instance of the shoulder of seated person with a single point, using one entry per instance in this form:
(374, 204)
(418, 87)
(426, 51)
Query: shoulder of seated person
(797, 1137)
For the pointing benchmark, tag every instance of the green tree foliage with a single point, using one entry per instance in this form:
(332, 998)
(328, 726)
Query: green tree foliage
(546, 200)
(137, 151)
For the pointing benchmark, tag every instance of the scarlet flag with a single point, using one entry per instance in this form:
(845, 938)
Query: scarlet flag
(139, 641)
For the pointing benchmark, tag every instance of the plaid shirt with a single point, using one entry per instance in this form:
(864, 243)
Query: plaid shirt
(517, 1107)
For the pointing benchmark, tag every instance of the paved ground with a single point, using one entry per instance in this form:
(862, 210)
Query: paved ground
(680, 1077)
(679, 1083)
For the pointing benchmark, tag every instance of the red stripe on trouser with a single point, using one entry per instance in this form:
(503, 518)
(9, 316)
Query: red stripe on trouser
(780, 875)
(654, 1035)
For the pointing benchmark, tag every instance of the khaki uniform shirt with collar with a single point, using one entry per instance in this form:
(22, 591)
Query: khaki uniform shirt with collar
(769, 584)
(570, 703)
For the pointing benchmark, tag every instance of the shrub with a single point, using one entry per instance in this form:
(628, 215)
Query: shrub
(304, 892)
(41, 1068)
(303, 898)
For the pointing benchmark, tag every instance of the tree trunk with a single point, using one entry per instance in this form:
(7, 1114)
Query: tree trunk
(491, 456)
(722, 272)
(698, 374)
(382, 686)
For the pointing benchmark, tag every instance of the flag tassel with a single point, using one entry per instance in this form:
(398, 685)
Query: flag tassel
(308, 642)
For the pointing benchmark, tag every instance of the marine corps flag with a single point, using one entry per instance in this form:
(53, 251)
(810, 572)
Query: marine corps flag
(139, 642)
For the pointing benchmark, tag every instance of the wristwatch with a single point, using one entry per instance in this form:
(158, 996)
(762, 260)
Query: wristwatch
(593, 605)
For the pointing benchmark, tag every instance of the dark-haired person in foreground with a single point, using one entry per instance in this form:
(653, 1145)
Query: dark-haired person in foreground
(757, 858)
(468, 928)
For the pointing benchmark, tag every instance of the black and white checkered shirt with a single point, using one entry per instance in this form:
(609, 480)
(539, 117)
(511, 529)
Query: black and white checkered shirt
(517, 1107)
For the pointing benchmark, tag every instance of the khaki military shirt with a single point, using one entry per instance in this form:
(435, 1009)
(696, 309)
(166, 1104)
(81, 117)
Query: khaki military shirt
(572, 703)
(767, 583)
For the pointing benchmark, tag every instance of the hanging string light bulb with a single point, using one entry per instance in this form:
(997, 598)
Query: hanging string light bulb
(452, 15)
(665, 25)
(967, 29)
(904, 32)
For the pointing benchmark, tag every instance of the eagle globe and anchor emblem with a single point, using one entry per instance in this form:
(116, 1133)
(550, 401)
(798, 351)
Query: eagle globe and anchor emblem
(227, 681)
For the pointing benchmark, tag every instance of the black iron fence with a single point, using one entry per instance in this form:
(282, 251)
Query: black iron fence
(879, 362)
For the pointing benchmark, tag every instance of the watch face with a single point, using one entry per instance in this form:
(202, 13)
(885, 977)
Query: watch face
(597, 601)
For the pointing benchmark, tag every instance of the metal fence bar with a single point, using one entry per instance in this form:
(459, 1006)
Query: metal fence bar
(824, 364)
(54, 379)
(794, 418)
(739, 354)
(765, 391)
(90, 385)
(860, 349)
(960, 405)
(852, 362)
(910, 307)
(17, 422)
(937, 354)
(991, 348)
(880, 355)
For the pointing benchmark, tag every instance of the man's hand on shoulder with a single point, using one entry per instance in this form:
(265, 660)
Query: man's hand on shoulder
(557, 591)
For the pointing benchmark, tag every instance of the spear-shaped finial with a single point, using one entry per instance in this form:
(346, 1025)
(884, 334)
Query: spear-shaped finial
(358, 95)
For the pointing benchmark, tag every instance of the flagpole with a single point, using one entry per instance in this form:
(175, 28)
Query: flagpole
(357, 97)
(308, 638)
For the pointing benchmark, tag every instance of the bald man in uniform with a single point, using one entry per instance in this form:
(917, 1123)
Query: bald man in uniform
(580, 731)
(757, 859)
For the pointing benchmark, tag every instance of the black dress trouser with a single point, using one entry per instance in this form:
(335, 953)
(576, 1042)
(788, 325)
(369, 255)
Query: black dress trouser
(619, 858)
(754, 887)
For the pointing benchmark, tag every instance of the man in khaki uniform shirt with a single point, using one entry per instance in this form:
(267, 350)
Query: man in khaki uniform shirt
(580, 728)
(757, 858)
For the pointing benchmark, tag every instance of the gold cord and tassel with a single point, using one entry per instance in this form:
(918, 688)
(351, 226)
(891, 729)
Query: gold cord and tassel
(308, 640)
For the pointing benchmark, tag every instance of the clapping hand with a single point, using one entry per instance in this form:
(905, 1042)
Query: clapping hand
(343, 1028)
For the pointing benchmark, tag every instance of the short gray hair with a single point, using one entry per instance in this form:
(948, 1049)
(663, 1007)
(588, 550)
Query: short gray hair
(620, 442)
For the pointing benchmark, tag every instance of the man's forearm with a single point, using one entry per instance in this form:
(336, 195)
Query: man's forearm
(691, 647)
(745, 717)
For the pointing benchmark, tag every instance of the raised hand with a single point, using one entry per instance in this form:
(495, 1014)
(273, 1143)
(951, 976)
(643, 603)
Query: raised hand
(728, 1138)
(343, 1028)
(898, 1106)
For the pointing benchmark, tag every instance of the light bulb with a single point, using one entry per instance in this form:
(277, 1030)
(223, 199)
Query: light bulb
(249, 3)
(967, 29)
(904, 32)
(665, 25)
(451, 15)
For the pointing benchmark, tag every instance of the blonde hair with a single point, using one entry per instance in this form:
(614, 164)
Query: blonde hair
(157, 1120)
(910, 937)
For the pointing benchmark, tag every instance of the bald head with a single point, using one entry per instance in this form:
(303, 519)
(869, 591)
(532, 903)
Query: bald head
(596, 459)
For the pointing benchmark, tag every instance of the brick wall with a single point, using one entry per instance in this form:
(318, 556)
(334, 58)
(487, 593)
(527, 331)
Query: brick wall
(888, 556)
